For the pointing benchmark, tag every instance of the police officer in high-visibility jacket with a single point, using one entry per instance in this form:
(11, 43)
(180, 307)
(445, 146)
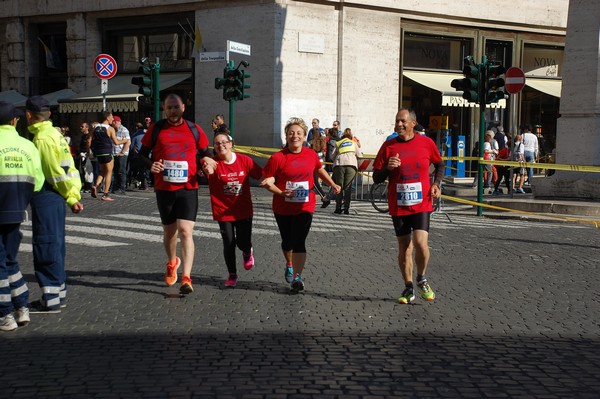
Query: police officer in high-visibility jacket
(345, 167)
(20, 175)
(48, 206)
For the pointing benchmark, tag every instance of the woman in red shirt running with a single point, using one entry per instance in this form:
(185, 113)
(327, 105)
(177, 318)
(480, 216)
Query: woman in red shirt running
(289, 175)
(232, 203)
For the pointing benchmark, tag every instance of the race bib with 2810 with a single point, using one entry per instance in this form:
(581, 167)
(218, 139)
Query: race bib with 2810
(409, 194)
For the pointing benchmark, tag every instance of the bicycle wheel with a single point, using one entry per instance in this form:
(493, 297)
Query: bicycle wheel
(378, 197)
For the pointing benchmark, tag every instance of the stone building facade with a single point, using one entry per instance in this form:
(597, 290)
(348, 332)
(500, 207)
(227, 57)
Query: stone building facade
(356, 62)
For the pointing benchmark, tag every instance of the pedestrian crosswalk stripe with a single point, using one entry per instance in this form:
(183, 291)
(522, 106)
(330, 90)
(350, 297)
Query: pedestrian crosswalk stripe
(125, 229)
(79, 240)
(197, 226)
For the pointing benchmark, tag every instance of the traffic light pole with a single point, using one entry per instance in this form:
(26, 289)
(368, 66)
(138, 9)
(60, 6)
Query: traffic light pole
(231, 106)
(156, 90)
(481, 167)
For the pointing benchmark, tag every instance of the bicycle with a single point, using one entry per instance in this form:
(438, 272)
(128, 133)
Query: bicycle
(378, 196)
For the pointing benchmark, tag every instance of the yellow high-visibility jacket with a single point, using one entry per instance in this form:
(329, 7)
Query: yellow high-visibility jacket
(20, 174)
(57, 163)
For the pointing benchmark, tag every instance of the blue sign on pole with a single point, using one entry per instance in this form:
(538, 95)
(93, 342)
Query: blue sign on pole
(460, 152)
(448, 147)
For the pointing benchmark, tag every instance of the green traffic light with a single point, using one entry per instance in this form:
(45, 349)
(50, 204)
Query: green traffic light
(494, 83)
(243, 84)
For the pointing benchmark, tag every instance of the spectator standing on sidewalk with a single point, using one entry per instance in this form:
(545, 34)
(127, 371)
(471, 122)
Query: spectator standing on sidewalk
(20, 175)
(137, 167)
(178, 147)
(319, 145)
(103, 139)
(312, 132)
(85, 167)
(232, 203)
(519, 172)
(530, 150)
(332, 138)
(503, 171)
(488, 155)
(405, 161)
(345, 166)
(48, 214)
(289, 175)
(120, 154)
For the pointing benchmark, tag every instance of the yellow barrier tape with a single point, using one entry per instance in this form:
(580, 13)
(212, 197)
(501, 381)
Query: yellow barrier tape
(265, 152)
(260, 152)
(596, 223)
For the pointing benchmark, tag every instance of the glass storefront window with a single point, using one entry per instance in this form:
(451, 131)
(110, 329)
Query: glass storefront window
(543, 61)
(540, 99)
(442, 56)
(435, 52)
(172, 49)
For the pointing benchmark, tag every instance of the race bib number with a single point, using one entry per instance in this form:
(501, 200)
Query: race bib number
(409, 194)
(300, 189)
(175, 171)
(232, 188)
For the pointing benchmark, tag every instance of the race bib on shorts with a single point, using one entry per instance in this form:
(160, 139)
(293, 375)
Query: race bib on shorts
(300, 189)
(409, 194)
(232, 188)
(175, 171)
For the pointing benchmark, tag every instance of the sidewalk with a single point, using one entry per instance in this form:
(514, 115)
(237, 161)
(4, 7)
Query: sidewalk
(522, 206)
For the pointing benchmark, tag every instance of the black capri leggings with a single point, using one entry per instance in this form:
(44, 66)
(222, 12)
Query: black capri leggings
(294, 230)
(237, 233)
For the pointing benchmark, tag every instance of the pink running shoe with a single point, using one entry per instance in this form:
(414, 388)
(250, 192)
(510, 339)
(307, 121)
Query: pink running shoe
(248, 260)
(231, 280)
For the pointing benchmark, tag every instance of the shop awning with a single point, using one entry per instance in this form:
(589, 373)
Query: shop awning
(52, 97)
(59, 95)
(440, 81)
(13, 97)
(122, 95)
(548, 86)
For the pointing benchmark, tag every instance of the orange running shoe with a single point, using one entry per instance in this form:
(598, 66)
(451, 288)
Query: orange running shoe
(171, 272)
(186, 285)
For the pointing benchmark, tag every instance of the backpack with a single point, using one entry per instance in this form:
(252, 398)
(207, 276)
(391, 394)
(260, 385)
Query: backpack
(158, 126)
(516, 155)
(331, 147)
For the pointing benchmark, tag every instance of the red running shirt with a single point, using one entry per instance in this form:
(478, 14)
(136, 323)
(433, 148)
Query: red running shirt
(230, 188)
(409, 185)
(176, 147)
(295, 172)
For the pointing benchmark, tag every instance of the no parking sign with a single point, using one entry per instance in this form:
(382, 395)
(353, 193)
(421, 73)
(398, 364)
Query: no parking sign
(105, 66)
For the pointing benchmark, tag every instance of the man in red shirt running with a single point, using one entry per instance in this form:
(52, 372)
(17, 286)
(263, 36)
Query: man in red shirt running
(405, 161)
(175, 156)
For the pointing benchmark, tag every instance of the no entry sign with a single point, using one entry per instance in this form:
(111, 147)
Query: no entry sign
(514, 80)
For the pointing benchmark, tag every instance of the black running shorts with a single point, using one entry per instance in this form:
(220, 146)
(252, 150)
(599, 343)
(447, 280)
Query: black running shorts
(178, 204)
(403, 225)
(104, 159)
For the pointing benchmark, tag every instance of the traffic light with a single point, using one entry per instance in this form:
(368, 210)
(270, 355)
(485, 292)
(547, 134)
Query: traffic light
(233, 85)
(144, 82)
(470, 85)
(494, 83)
(243, 85)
